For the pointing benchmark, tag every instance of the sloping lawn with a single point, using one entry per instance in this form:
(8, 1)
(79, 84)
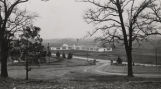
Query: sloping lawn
(136, 69)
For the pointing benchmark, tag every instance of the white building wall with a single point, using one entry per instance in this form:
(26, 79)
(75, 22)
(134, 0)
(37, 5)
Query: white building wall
(53, 48)
(74, 47)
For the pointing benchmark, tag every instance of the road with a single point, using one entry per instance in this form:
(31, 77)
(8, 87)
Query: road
(101, 64)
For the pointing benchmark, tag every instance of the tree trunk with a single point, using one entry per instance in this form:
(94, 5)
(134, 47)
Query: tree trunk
(129, 60)
(4, 57)
(128, 45)
(4, 72)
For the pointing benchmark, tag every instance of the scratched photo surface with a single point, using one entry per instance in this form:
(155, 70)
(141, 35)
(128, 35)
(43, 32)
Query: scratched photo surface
(80, 44)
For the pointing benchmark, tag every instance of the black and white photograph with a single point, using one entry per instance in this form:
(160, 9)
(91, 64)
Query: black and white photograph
(80, 44)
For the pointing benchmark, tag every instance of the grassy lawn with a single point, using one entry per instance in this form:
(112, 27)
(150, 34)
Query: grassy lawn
(50, 70)
(136, 69)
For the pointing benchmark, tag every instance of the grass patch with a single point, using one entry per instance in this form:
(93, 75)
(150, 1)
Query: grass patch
(47, 70)
(136, 69)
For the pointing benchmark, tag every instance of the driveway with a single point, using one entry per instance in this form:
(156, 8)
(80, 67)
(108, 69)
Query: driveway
(101, 64)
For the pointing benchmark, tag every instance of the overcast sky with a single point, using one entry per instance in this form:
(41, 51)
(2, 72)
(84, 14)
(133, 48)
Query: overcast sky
(60, 18)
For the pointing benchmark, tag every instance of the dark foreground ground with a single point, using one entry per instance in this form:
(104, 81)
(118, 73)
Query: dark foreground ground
(83, 81)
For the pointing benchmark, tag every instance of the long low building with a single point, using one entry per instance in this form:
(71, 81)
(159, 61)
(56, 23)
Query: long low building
(81, 47)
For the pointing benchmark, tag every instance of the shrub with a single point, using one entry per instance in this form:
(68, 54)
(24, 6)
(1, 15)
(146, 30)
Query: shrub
(70, 55)
(63, 55)
(58, 54)
(119, 60)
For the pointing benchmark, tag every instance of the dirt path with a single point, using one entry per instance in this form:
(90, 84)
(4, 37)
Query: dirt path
(100, 70)
(102, 64)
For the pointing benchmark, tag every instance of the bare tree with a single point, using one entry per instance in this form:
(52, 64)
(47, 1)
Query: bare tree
(121, 20)
(7, 7)
(18, 20)
(154, 15)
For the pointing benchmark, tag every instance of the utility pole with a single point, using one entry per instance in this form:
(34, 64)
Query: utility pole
(77, 41)
(49, 53)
